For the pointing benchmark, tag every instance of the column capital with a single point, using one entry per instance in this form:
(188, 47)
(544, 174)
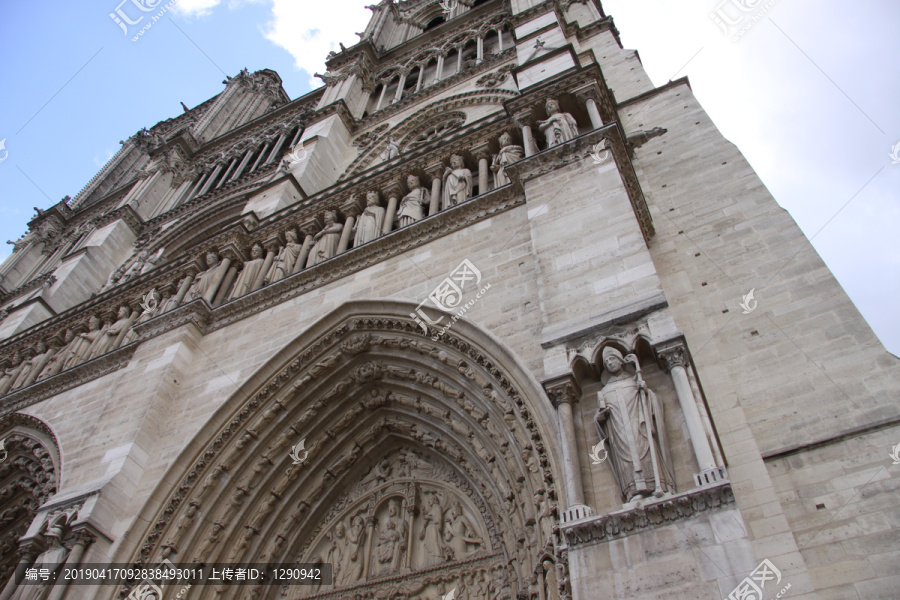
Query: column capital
(352, 208)
(524, 118)
(482, 150)
(393, 189)
(591, 91)
(436, 170)
(562, 389)
(673, 353)
(311, 227)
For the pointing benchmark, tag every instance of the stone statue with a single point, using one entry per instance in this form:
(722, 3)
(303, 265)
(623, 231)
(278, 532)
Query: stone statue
(113, 279)
(81, 352)
(32, 367)
(204, 280)
(392, 151)
(431, 534)
(11, 373)
(460, 534)
(509, 153)
(559, 127)
(284, 262)
(412, 206)
(370, 222)
(457, 183)
(326, 241)
(135, 269)
(56, 363)
(336, 551)
(113, 336)
(392, 540)
(250, 272)
(354, 559)
(630, 419)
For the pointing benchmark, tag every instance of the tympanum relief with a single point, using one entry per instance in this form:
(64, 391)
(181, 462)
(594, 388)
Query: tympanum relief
(402, 519)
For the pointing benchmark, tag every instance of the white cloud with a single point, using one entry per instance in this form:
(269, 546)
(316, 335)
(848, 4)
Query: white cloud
(310, 30)
(195, 8)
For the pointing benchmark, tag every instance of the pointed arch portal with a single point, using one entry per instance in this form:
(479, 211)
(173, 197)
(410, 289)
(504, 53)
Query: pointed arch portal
(427, 467)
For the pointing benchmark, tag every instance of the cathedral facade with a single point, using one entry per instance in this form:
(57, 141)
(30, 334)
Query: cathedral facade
(487, 316)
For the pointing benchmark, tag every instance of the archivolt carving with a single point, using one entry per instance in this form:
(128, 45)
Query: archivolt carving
(29, 475)
(424, 463)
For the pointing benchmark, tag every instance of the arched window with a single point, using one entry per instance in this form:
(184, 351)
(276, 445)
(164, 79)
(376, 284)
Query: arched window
(434, 23)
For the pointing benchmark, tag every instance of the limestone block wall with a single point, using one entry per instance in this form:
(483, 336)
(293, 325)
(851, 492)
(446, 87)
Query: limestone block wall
(840, 500)
(700, 557)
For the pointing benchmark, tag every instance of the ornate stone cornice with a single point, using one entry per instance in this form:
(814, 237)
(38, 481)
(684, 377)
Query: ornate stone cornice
(68, 379)
(649, 516)
(562, 389)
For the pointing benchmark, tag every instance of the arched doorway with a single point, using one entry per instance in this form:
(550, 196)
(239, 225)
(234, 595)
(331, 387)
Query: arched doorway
(29, 475)
(426, 466)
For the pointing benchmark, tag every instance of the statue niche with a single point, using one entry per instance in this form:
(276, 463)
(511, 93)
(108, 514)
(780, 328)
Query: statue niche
(631, 422)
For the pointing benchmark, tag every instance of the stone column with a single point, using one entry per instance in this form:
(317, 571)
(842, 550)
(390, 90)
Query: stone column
(351, 210)
(394, 193)
(260, 157)
(480, 52)
(399, 93)
(28, 551)
(384, 87)
(217, 280)
(676, 360)
(421, 76)
(589, 96)
(439, 69)
(309, 229)
(183, 290)
(524, 120)
(222, 295)
(370, 533)
(483, 153)
(564, 391)
(276, 147)
(210, 181)
(83, 539)
(227, 173)
(247, 156)
(436, 172)
(271, 250)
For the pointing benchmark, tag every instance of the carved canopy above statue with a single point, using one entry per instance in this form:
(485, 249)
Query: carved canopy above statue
(424, 467)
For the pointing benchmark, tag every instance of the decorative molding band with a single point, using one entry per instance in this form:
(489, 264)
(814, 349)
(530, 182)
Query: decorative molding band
(68, 379)
(649, 516)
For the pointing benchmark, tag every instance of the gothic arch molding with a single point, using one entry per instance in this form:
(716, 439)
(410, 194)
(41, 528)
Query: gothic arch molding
(415, 122)
(366, 392)
(29, 476)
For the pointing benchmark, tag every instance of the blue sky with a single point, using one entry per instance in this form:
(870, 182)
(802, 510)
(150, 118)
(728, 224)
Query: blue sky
(808, 94)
